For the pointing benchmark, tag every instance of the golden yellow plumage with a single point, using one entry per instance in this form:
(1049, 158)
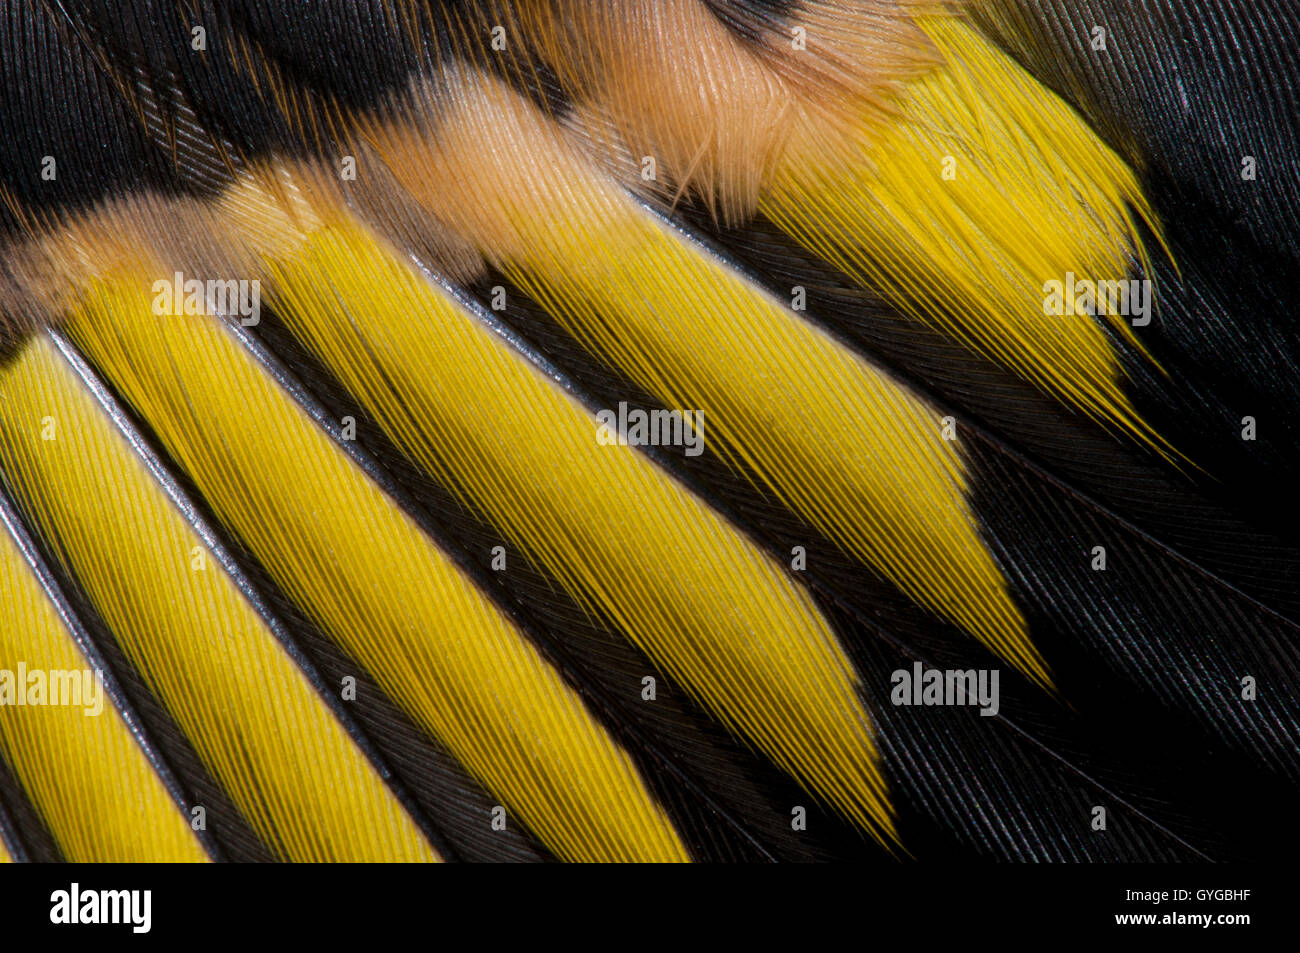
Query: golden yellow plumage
(374, 582)
(228, 683)
(104, 801)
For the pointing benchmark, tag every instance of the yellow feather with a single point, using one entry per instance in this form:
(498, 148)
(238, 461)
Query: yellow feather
(82, 770)
(640, 551)
(345, 552)
(244, 704)
(961, 206)
(774, 390)
(896, 143)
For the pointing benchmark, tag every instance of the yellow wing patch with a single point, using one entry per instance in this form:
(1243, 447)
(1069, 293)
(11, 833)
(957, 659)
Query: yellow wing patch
(965, 206)
(639, 550)
(775, 392)
(260, 727)
(895, 142)
(74, 755)
(345, 552)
